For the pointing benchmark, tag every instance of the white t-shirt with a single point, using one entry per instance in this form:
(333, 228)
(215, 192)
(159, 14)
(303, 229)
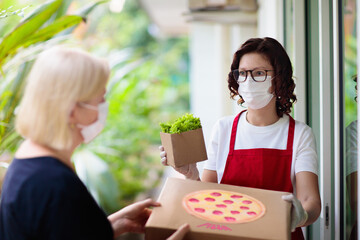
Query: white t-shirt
(273, 136)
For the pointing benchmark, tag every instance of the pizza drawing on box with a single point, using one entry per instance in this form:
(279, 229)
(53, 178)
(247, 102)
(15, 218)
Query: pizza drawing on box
(223, 206)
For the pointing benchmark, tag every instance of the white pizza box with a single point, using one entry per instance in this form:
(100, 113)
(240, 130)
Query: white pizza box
(164, 220)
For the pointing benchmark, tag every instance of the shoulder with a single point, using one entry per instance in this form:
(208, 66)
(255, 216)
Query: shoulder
(351, 133)
(52, 172)
(50, 197)
(35, 184)
(304, 135)
(352, 127)
(225, 122)
(222, 127)
(302, 128)
(40, 177)
(60, 182)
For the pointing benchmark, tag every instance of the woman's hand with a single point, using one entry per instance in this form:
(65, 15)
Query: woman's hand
(180, 233)
(298, 215)
(190, 171)
(306, 205)
(132, 218)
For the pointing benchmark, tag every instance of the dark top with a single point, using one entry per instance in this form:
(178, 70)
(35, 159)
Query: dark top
(44, 199)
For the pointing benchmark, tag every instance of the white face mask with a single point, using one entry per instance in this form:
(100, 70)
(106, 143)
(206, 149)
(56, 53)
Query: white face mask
(256, 94)
(89, 132)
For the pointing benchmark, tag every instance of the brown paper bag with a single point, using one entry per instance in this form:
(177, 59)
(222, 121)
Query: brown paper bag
(184, 148)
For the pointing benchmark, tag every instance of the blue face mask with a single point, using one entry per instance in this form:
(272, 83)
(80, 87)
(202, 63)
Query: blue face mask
(89, 132)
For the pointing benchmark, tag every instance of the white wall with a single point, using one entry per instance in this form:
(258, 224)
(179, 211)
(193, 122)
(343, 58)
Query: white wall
(212, 46)
(270, 19)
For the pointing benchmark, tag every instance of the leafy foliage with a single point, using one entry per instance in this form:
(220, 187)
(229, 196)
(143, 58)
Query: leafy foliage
(28, 31)
(184, 123)
(136, 105)
(18, 48)
(4, 13)
(350, 73)
(148, 84)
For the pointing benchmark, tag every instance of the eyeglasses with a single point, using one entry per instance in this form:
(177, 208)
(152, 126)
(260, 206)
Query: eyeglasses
(256, 75)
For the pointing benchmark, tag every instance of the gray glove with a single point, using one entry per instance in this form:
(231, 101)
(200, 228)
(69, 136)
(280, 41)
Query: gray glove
(298, 215)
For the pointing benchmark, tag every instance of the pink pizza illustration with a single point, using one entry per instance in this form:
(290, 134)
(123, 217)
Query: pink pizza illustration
(223, 206)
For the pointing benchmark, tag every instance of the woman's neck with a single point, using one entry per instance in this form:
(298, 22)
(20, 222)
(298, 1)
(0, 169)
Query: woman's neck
(264, 116)
(31, 149)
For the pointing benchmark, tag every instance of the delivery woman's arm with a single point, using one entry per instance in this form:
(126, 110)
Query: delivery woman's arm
(307, 191)
(306, 203)
(209, 176)
(306, 169)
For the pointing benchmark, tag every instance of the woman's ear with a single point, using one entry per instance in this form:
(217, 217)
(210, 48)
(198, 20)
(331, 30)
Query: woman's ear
(72, 114)
(272, 88)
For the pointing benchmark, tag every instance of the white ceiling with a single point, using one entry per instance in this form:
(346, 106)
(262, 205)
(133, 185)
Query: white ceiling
(171, 17)
(168, 15)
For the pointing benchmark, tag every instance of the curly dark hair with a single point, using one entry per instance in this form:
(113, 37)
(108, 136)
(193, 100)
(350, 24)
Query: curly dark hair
(282, 82)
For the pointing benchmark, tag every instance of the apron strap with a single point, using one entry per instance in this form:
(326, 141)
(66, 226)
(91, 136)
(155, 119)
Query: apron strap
(233, 133)
(290, 134)
(290, 139)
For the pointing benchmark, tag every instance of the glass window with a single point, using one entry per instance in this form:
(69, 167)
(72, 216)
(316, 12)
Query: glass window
(350, 118)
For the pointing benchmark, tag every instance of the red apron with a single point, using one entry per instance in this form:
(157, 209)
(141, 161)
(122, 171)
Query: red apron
(263, 168)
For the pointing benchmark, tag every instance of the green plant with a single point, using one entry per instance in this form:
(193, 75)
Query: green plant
(129, 141)
(4, 13)
(44, 27)
(184, 123)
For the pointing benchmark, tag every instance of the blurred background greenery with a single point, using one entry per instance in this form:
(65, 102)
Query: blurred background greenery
(148, 85)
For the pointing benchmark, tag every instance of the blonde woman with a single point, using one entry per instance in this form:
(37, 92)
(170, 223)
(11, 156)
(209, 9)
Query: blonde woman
(42, 197)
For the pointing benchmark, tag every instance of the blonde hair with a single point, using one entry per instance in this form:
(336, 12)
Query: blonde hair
(59, 79)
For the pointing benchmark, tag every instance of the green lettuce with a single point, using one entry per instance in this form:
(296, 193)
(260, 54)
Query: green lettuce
(184, 123)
